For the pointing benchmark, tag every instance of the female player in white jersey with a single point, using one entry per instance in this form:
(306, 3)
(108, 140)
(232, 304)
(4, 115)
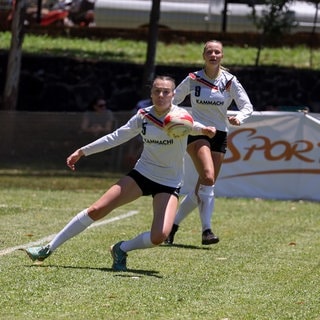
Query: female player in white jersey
(212, 91)
(158, 172)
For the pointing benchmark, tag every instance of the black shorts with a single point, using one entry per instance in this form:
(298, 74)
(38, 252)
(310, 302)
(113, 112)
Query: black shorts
(218, 143)
(150, 187)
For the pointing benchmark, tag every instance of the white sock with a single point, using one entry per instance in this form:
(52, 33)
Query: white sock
(187, 205)
(206, 205)
(142, 241)
(79, 223)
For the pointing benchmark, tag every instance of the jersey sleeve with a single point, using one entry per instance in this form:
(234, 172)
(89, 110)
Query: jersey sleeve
(241, 99)
(197, 129)
(131, 129)
(182, 90)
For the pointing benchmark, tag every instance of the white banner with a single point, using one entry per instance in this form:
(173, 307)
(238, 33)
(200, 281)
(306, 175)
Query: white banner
(273, 155)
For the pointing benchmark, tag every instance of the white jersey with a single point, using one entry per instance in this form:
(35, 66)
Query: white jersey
(210, 99)
(162, 157)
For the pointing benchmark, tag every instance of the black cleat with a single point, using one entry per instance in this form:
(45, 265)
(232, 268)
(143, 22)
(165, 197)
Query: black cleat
(208, 237)
(173, 231)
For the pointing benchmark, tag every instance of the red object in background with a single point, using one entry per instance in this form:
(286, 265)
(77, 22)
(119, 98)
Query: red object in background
(52, 17)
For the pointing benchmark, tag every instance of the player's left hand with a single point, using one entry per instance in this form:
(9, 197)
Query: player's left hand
(209, 131)
(234, 121)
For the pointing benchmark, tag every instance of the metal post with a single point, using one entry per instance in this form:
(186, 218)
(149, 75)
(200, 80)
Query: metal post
(224, 16)
(39, 9)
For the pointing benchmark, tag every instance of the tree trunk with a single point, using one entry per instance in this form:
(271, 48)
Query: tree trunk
(224, 16)
(39, 10)
(14, 60)
(261, 40)
(149, 70)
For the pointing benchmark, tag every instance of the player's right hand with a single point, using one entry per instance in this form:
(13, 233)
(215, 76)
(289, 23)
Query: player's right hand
(73, 158)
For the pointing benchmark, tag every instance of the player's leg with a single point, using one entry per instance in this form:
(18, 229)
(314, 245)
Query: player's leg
(204, 163)
(164, 208)
(199, 151)
(124, 191)
(187, 205)
(208, 237)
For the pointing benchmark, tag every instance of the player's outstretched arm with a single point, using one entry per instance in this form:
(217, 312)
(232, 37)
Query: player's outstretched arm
(73, 158)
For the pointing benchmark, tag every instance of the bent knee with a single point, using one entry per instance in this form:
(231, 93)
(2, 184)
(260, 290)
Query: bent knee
(96, 213)
(157, 239)
(207, 179)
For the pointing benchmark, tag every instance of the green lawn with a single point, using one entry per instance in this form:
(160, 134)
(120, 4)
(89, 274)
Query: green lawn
(167, 54)
(266, 265)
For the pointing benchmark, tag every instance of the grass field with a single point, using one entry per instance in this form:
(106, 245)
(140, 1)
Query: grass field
(167, 54)
(266, 265)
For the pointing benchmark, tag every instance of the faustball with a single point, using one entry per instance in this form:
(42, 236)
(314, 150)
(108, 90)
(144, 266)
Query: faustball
(178, 123)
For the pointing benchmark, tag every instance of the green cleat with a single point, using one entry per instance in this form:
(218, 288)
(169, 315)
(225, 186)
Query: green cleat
(38, 253)
(119, 257)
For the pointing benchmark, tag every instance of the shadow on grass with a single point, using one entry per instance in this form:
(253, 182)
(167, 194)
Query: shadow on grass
(184, 246)
(149, 273)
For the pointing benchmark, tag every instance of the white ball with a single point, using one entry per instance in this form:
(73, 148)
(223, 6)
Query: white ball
(178, 123)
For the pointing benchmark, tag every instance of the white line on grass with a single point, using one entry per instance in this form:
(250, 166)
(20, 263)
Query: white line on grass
(49, 238)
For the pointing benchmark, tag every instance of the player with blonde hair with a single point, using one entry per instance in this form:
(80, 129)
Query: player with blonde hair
(158, 172)
(212, 90)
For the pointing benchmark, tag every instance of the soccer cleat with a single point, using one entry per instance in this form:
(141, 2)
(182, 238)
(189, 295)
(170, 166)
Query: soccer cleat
(119, 257)
(208, 237)
(38, 253)
(173, 231)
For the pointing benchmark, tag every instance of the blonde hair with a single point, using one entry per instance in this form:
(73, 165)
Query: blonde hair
(214, 41)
